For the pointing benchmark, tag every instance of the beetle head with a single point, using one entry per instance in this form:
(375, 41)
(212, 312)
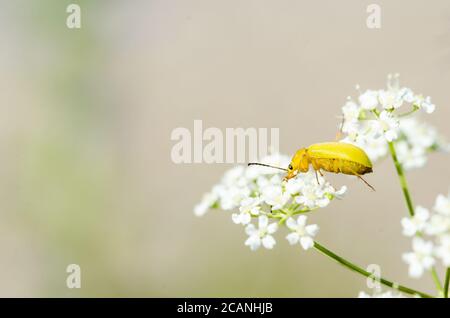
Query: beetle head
(299, 163)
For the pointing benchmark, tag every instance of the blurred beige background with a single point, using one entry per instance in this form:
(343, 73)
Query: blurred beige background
(85, 124)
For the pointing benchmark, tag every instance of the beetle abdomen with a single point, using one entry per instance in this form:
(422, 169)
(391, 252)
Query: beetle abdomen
(340, 166)
(352, 168)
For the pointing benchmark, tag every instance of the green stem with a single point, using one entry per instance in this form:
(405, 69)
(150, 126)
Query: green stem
(415, 108)
(407, 195)
(447, 280)
(365, 273)
(402, 178)
(283, 219)
(436, 279)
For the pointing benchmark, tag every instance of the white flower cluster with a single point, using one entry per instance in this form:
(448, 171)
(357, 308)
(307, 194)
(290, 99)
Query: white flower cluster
(387, 294)
(259, 193)
(431, 237)
(378, 117)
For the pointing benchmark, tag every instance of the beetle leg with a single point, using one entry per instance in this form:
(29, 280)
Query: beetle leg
(320, 172)
(368, 184)
(317, 177)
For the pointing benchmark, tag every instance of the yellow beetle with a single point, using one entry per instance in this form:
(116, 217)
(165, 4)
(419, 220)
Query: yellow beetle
(336, 157)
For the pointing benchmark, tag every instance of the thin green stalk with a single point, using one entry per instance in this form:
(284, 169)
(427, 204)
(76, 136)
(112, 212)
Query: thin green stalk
(402, 178)
(447, 280)
(407, 195)
(415, 108)
(365, 273)
(436, 279)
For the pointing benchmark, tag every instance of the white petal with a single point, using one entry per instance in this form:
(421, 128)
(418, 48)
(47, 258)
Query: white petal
(236, 217)
(312, 229)
(390, 135)
(293, 186)
(293, 238)
(415, 270)
(421, 246)
(306, 242)
(255, 210)
(428, 262)
(300, 199)
(272, 228)
(301, 221)
(409, 229)
(253, 242)
(369, 99)
(428, 106)
(442, 205)
(250, 229)
(291, 224)
(247, 202)
(268, 242)
(201, 209)
(263, 221)
(323, 202)
(421, 214)
(409, 257)
(338, 194)
(245, 218)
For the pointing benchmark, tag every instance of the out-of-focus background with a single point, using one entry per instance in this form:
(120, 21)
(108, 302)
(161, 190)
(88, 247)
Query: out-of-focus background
(86, 115)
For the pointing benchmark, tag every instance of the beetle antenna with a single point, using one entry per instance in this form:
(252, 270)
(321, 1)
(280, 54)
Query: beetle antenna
(264, 165)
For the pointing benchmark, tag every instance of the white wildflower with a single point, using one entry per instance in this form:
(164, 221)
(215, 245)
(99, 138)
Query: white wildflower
(261, 235)
(387, 294)
(417, 223)
(302, 233)
(418, 134)
(294, 185)
(424, 103)
(257, 193)
(249, 207)
(443, 249)
(409, 156)
(239, 184)
(436, 226)
(313, 197)
(421, 258)
(389, 125)
(376, 120)
(390, 99)
(369, 99)
(442, 205)
(275, 197)
(339, 194)
(234, 176)
(208, 200)
(231, 198)
(351, 111)
(407, 95)
(439, 223)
